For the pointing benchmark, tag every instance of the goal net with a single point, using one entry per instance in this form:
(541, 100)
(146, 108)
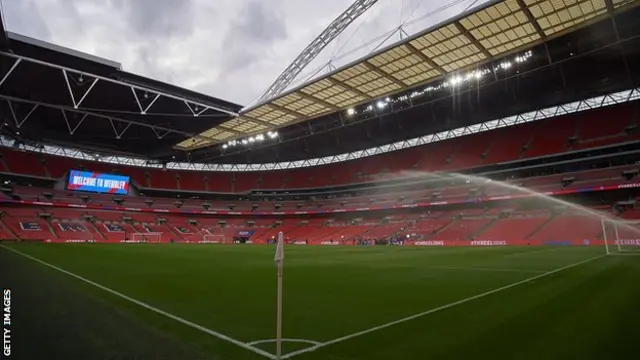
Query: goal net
(205, 237)
(621, 236)
(212, 239)
(151, 237)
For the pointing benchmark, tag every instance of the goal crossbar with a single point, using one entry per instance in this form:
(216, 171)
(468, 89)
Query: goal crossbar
(213, 238)
(147, 237)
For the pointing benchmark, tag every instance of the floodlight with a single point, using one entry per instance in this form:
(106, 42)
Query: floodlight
(259, 137)
(244, 142)
(251, 139)
(351, 111)
(455, 80)
(381, 104)
(224, 146)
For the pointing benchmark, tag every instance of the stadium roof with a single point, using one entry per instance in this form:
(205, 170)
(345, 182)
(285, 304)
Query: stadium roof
(463, 43)
(541, 114)
(56, 95)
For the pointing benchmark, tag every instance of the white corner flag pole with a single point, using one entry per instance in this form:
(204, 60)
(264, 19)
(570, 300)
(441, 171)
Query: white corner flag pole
(279, 259)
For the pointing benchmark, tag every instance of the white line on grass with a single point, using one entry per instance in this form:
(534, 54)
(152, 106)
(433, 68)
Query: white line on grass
(284, 340)
(443, 307)
(149, 307)
(487, 269)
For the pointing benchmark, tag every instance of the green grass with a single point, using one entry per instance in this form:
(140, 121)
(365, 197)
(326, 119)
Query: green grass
(585, 312)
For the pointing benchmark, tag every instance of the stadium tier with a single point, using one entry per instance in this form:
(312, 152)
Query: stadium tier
(481, 190)
(573, 132)
(482, 224)
(481, 215)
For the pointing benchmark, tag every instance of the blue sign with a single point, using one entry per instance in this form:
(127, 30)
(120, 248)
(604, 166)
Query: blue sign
(98, 182)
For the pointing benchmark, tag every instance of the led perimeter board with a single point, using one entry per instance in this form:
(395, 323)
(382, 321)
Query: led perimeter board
(98, 182)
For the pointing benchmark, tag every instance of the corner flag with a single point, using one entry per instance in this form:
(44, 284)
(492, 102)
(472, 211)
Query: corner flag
(279, 259)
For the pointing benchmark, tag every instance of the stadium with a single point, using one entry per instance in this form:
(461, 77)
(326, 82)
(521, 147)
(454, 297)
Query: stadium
(469, 191)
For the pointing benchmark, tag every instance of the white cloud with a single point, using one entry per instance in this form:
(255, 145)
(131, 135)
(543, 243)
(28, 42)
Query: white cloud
(231, 49)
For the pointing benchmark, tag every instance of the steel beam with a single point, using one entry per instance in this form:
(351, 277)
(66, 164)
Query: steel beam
(383, 74)
(473, 40)
(320, 101)
(117, 82)
(425, 58)
(96, 115)
(349, 88)
(527, 12)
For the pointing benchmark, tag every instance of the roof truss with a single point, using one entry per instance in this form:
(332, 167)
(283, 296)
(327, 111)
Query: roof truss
(532, 116)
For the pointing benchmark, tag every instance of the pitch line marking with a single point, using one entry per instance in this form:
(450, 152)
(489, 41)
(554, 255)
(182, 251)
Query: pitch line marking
(434, 310)
(149, 307)
(487, 269)
(284, 340)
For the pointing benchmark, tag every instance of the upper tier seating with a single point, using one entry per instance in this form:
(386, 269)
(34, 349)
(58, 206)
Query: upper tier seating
(545, 137)
(598, 177)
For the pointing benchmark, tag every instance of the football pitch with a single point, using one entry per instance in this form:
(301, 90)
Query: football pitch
(378, 302)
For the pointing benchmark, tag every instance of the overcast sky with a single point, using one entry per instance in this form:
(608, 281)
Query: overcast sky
(231, 49)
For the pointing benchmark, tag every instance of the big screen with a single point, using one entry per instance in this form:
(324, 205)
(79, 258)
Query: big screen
(98, 182)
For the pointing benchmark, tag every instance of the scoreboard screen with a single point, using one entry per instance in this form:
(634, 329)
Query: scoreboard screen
(98, 182)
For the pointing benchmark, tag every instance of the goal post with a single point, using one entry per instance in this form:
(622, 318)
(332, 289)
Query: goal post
(213, 239)
(205, 237)
(150, 237)
(621, 236)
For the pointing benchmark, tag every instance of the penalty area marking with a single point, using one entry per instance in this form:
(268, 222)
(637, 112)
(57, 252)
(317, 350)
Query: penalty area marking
(434, 310)
(149, 307)
(284, 340)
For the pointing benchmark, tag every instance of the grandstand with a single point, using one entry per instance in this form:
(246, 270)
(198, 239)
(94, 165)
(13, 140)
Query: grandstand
(527, 142)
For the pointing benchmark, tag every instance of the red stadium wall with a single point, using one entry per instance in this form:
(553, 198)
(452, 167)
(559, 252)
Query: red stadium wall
(527, 140)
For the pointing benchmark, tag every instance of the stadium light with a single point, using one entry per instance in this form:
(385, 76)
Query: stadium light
(224, 146)
(455, 80)
(380, 104)
(505, 65)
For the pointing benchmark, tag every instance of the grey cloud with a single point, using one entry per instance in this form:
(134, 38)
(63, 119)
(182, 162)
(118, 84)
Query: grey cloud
(260, 23)
(24, 17)
(251, 35)
(163, 18)
(231, 49)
